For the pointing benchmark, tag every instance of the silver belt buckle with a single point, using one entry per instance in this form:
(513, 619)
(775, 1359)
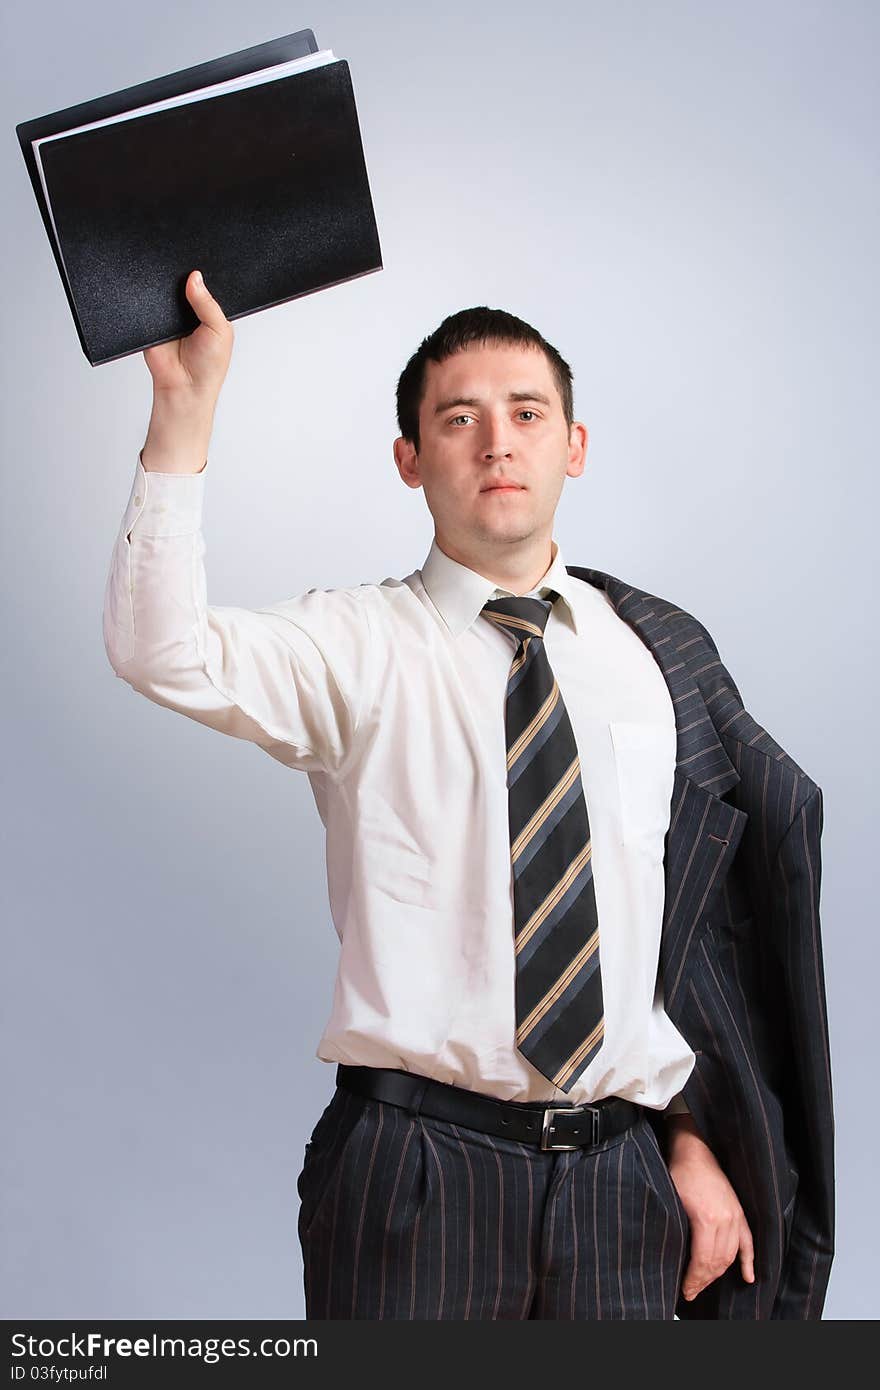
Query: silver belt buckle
(548, 1125)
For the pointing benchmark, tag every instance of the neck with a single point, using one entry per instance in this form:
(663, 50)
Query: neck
(517, 573)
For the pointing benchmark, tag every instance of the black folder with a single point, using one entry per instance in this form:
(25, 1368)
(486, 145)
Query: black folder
(263, 188)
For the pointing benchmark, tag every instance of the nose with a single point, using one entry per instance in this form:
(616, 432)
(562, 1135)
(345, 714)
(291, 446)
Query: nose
(495, 443)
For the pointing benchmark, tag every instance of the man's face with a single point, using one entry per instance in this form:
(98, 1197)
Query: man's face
(490, 416)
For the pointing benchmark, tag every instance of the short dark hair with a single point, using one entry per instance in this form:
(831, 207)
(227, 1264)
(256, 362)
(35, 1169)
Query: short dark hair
(478, 325)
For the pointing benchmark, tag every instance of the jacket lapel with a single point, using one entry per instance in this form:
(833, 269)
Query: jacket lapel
(704, 830)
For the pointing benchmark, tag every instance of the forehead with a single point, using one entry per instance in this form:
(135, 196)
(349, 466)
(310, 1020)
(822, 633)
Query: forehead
(487, 368)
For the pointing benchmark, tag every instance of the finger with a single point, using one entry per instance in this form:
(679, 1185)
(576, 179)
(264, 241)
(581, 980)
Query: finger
(698, 1273)
(711, 1254)
(746, 1252)
(697, 1278)
(204, 303)
(727, 1248)
(690, 1284)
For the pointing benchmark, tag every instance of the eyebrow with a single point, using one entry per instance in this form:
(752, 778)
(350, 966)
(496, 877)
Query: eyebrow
(473, 400)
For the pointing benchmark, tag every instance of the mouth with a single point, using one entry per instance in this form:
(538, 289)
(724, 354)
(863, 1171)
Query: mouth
(504, 487)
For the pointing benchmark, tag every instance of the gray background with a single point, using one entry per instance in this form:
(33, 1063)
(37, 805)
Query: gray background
(683, 198)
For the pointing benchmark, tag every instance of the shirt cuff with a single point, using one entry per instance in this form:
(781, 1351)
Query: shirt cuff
(165, 504)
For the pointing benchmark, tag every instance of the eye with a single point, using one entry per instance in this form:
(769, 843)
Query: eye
(460, 417)
(527, 412)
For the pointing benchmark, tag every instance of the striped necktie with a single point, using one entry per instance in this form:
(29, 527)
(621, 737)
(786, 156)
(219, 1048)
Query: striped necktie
(559, 1010)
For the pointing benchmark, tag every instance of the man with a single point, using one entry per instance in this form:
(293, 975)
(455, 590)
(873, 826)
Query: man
(579, 1018)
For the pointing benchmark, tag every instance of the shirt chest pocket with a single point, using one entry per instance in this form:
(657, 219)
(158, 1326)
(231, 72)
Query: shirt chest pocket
(644, 764)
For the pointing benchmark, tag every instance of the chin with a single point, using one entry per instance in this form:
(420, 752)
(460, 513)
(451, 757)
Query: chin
(510, 535)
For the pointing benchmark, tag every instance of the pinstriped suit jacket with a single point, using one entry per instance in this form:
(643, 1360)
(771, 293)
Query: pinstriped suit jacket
(741, 964)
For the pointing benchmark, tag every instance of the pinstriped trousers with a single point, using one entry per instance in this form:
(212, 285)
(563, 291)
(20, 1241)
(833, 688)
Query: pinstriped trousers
(408, 1217)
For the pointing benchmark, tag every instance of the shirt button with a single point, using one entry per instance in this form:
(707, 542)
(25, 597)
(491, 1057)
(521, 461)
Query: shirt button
(137, 501)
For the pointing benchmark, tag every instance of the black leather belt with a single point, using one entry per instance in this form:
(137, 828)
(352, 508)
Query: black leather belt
(546, 1126)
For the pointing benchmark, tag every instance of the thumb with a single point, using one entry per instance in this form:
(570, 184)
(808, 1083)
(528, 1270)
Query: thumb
(203, 301)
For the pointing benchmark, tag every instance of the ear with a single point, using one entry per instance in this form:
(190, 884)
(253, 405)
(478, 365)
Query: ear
(577, 449)
(407, 461)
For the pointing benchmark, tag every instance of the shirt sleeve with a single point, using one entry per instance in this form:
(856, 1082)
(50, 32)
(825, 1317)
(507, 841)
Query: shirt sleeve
(295, 678)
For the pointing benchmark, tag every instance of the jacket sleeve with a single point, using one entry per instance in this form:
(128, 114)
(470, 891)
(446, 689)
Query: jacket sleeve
(807, 1099)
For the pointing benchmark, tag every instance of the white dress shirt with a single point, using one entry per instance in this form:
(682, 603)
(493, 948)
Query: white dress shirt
(391, 698)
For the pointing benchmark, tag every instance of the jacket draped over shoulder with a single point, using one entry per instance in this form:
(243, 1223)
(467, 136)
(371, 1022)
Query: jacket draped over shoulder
(742, 967)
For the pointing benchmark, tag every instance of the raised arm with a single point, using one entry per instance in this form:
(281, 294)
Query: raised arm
(296, 678)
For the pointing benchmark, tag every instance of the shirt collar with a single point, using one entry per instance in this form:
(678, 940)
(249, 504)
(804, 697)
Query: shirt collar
(459, 593)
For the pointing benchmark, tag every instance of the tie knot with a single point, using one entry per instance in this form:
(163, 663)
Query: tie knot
(519, 616)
